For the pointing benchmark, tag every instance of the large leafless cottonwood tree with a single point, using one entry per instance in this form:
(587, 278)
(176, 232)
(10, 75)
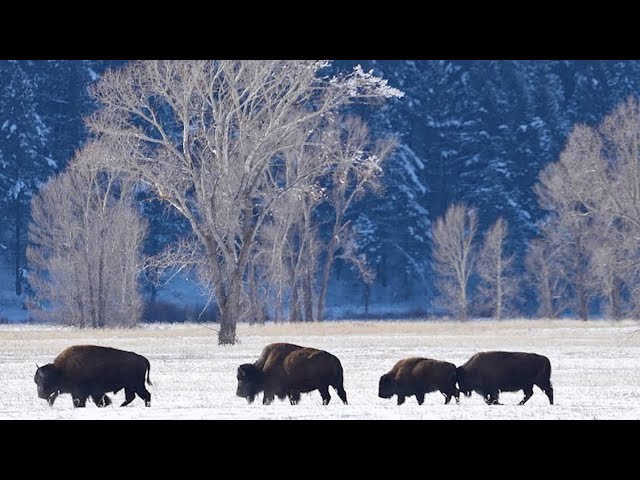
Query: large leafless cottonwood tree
(209, 138)
(571, 234)
(358, 170)
(597, 181)
(545, 275)
(498, 286)
(288, 249)
(454, 255)
(611, 248)
(85, 250)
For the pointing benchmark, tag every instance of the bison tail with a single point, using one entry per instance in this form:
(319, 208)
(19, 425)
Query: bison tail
(340, 384)
(548, 370)
(148, 372)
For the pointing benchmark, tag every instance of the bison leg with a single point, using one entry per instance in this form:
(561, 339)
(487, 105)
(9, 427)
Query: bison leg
(129, 396)
(267, 399)
(341, 393)
(52, 398)
(492, 399)
(401, 399)
(326, 397)
(144, 394)
(79, 401)
(549, 392)
(453, 392)
(420, 398)
(101, 400)
(547, 389)
(294, 398)
(528, 391)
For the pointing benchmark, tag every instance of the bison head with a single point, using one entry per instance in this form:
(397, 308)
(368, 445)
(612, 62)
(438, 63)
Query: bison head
(250, 381)
(464, 382)
(386, 386)
(48, 381)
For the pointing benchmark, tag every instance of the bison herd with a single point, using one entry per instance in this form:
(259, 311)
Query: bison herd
(285, 370)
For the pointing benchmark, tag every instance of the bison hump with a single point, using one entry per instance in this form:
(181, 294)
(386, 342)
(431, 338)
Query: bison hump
(86, 361)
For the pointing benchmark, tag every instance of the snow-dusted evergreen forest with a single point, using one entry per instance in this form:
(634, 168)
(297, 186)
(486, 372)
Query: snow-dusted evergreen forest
(478, 189)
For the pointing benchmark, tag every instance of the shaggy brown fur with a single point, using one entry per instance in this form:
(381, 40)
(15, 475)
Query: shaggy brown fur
(285, 369)
(89, 370)
(418, 376)
(489, 373)
(274, 354)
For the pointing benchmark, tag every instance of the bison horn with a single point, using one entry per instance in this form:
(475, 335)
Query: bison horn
(37, 366)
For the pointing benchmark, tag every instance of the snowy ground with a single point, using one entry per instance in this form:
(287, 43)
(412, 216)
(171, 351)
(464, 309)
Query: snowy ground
(596, 369)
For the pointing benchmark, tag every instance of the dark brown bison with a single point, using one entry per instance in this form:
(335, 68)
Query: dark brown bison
(89, 370)
(285, 369)
(418, 376)
(489, 373)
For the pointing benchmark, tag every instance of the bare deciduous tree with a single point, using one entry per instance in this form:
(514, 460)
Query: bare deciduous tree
(599, 173)
(545, 273)
(498, 285)
(454, 255)
(85, 251)
(572, 235)
(208, 137)
(288, 249)
(358, 170)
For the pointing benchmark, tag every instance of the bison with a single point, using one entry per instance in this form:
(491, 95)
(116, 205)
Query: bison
(418, 376)
(285, 369)
(89, 370)
(489, 373)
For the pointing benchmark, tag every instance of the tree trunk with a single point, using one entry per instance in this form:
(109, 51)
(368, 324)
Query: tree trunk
(546, 299)
(277, 316)
(102, 300)
(499, 286)
(583, 295)
(307, 296)
(367, 295)
(326, 273)
(464, 312)
(256, 312)
(227, 333)
(382, 270)
(77, 316)
(294, 305)
(614, 300)
(17, 253)
(229, 309)
(92, 300)
(583, 299)
(294, 313)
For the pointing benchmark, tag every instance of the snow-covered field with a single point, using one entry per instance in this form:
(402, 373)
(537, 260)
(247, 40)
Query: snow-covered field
(596, 369)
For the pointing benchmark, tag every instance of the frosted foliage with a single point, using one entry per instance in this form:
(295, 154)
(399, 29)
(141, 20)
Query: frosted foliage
(454, 254)
(361, 83)
(592, 192)
(85, 249)
(223, 142)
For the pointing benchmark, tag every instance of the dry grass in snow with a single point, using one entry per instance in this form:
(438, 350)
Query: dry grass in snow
(596, 369)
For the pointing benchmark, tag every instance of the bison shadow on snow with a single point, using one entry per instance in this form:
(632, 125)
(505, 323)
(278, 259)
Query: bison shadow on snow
(489, 373)
(287, 370)
(419, 376)
(91, 371)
